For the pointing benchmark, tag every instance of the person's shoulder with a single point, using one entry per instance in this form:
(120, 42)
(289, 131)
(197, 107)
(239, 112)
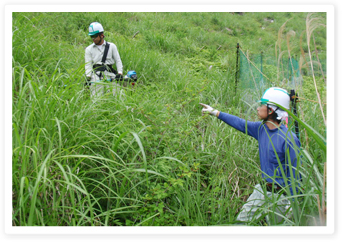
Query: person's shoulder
(257, 124)
(90, 46)
(290, 135)
(111, 44)
(283, 130)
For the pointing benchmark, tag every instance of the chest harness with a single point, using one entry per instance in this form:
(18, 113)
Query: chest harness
(104, 67)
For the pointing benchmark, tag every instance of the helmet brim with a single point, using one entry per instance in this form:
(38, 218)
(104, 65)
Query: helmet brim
(93, 33)
(263, 101)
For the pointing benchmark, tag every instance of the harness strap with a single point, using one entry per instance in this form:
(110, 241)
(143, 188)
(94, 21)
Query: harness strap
(104, 57)
(104, 67)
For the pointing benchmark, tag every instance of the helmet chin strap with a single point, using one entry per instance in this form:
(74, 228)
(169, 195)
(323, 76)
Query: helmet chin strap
(268, 113)
(101, 38)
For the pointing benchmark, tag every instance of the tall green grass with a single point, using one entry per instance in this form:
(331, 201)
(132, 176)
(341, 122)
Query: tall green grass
(148, 157)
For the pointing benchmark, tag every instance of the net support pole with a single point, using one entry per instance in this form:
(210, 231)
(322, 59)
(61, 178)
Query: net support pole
(261, 73)
(237, 66)
(294, 99)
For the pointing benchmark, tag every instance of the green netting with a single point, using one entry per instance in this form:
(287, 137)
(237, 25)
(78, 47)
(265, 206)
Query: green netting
(323, 65)
(251, 73)
(252, 81)
(259, 72)
(293, 74)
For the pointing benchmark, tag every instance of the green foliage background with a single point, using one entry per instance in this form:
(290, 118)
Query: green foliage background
(149, 158)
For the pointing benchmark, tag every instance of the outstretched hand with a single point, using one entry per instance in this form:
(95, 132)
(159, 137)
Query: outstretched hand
(207, 109)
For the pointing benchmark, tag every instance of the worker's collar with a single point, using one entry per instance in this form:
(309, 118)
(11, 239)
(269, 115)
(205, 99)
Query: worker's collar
(272, 126)
(104, 43)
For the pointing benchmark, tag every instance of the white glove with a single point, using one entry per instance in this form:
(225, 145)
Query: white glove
(210, 110)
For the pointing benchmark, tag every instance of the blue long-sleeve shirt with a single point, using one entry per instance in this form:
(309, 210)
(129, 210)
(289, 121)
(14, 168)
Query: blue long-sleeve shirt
(278, 148)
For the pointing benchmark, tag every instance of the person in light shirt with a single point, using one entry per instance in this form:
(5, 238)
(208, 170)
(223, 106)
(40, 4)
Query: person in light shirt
(101, 76)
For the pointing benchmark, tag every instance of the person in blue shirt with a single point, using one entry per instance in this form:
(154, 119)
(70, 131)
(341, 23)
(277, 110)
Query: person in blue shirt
(278, 152)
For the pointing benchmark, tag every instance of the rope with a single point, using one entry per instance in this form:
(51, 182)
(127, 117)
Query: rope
(310, 100)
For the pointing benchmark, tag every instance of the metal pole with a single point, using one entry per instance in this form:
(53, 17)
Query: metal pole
(237, 66)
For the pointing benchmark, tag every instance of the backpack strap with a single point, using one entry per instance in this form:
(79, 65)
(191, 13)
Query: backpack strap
(104, 57)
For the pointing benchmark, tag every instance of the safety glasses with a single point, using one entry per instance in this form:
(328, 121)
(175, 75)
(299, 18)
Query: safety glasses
(94, 36)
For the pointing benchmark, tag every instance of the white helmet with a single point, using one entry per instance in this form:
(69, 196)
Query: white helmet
(276, 95)
(95, 28)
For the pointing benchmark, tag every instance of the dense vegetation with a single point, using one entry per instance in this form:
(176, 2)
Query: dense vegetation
(148, 156)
